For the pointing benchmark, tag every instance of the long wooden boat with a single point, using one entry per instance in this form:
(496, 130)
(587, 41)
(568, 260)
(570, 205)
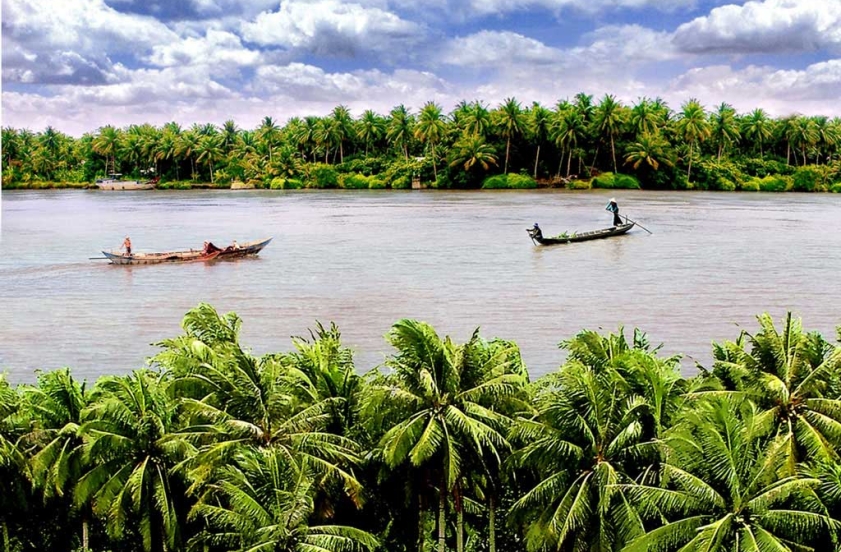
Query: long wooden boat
(536, 234)
(193, 255)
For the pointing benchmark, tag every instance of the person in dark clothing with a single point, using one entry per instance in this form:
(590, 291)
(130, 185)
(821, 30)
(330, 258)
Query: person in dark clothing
(535, 232)
(613, 207)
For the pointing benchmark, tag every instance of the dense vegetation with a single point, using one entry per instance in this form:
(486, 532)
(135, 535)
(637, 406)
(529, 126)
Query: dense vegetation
(654, 145)
(447, 446)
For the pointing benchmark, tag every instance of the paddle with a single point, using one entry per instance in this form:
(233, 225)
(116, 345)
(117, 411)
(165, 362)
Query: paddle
(638, 224)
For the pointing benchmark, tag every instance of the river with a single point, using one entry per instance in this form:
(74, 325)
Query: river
(366, 259)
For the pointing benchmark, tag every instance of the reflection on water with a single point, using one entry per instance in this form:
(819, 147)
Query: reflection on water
(457, 260)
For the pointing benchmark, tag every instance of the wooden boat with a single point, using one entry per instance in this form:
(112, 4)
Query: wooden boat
(113, 182)
(192, 255)
(536, 234)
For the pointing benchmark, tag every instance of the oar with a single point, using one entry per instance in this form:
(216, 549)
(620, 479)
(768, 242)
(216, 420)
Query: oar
(638, 224)
(97, 258)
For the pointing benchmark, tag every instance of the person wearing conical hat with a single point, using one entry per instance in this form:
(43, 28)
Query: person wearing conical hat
(613, 207)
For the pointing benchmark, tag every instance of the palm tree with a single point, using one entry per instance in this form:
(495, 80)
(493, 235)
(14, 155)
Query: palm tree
(264, 501)
(343, 124)
(209, 150)
(230, 136)
(187, 145)
(57, 403)
(649, 150)
(431, 129)
(438, 408)
(804, 134)
(757, 127)
(539, 124)
(130, 458)
(725, 128)
(511, 121)
(471, 151)
(645, 119)
(399, 129)
(787, 129)
(567, 130)
(609, 117)
(268, 133)
(725, 490)
(107, 144)
(693, 127)
(788, 374)
(476, 119)
(14, 468)
(592, 430)
(371, 129)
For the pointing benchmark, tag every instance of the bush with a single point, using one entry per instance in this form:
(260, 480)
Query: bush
(286, 184)
(521, 182)
(610, 181)
(375, 183)
(836, 188)
(323, 176)
(775, 183)
(765, 167)
(353, 182)
(808, 179)
(401, 183)
(277, 183)
(495, 182)
(750, 185)
(174, 185)
(579, 185)
(725, 185)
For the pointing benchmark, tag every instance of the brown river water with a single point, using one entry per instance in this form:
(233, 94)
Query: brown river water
(366, 259)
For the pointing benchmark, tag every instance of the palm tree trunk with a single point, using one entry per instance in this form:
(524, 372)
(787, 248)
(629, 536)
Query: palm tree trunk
(341, 153)
(688, 172)
(7, 545)
(492, 523)
(569, 162)
(760, 149)
(211, 172)
(434, 163)
(442, 511)
(613, 151)
(85, 539)
(536, 159)
(788, 153)
(561, 164)
(719, 152)
(460, 533)
(804, 156)
(507, 149)
(595, 157)
(192, 168)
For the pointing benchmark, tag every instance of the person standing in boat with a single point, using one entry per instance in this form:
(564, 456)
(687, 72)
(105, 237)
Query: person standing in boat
(127, 246)
(613, 207)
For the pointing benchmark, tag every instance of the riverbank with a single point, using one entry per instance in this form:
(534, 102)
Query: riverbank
(800, 181)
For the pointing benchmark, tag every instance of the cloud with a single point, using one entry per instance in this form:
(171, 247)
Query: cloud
(813, 90)
(220, 48)
(489, 7)
(490, 48)
(766, 27)
(332, 28)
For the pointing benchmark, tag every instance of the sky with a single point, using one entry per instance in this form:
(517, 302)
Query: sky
(78, 65)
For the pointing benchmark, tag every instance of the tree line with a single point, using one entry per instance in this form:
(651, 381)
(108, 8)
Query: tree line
(445, 447)
(663, 148)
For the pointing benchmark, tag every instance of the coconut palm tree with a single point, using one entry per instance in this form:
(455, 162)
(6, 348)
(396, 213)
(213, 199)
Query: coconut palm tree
(788, 374)
(399, 129)
(476, 119)
(725, 128)
(609, 117)
(107, 144)
(693, 127)
(343, 124)
(187, 146)
(268, 133)
(539, 124)
(724, 489)
(471, 151)
(649, 150)
(264, 501)
(644, 118)
(130, 458)
(209, 150)
(436, 407)
(14, 468)
(511, 122)
(757, 128)
(370, 129)
(431, 129)
(56, 403)
(230, 136)
(568, 129)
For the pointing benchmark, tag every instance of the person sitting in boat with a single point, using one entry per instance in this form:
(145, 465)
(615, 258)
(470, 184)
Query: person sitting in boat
(127, 246)
(235, 245)
(536, 232)
(209, 248)
(613, 207)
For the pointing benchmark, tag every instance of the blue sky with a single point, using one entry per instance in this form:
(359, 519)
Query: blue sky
(81, 64)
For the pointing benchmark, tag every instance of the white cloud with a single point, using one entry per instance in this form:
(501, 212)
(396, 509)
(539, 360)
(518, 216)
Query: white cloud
(333, 28)
(215, 48)
(487, 49)
(813, 90)
(769, 26)
(487, 7)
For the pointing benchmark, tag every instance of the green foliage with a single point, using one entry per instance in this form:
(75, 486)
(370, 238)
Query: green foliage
(353, 182)
(509, 181)
(579, 184)
(775, 184)
(401, 183)
(610, 180)
(750, 185)
(717, 175)
(174, 185)
(322, 176)
(836, 188)
(495, 182)
(809, 179)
